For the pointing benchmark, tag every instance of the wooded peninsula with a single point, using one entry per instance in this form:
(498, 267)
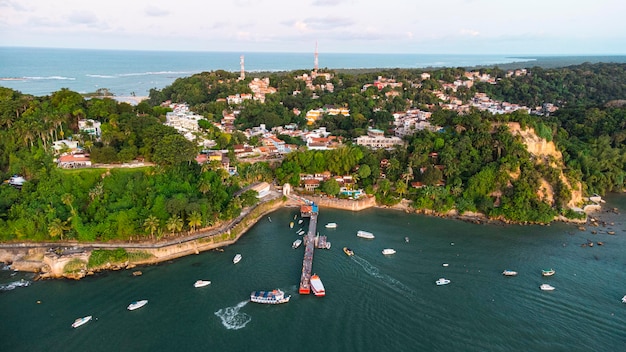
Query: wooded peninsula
(526, 165)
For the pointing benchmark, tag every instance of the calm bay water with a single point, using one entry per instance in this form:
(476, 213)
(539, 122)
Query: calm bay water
(373, 302)
(41, 71)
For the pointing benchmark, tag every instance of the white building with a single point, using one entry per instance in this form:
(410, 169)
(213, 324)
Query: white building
(376, 139)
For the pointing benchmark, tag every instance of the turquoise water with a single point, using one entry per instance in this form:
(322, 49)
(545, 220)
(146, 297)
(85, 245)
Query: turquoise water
(373, 302)
(41, 71)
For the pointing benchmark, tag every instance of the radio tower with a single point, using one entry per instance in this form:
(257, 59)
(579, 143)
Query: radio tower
(242, 76)
(315, 62)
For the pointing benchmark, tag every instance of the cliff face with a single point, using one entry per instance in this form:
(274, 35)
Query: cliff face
(546, 152)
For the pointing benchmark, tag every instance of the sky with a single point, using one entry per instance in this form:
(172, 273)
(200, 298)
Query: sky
(547, 27)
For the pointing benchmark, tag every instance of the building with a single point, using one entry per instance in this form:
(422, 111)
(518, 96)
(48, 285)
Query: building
(91, 127)
(376, 139)
(263, 189)
(73, 161)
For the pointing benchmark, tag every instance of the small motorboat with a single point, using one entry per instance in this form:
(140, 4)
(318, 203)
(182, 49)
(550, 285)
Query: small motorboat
(300, 221)
(406, 239)
(201, 283)
(269, 219)
(81, 321)
(296, 243)
(291, 225)
(137, 304)
(624, 299)
(445, 264)
(365, 234)
(350, 253)
(389, 251)
(442, 281)
(509, 273)
(331, 225)
(237, 258)
(548, 272)
(546, 287)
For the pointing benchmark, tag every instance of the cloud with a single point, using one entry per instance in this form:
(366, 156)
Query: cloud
(469, 32)
(327, 2)
(154, 11)
(15, 5)
(83, 17)
(320, 24)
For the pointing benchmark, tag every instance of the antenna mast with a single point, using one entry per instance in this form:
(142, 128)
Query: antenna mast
(242, 76)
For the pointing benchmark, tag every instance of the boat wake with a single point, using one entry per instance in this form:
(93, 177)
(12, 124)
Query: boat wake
(392, 283)
(232, 319)
(13, 285)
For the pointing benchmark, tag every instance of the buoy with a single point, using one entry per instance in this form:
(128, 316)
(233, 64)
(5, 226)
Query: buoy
(38, 302)
(445, 264)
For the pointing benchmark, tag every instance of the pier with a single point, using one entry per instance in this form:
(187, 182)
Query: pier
(310, 211)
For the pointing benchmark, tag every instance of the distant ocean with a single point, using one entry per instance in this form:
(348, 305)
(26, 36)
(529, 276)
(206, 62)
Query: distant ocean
(41, 71)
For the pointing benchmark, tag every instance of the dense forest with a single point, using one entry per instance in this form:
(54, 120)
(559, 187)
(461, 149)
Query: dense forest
(472, 162)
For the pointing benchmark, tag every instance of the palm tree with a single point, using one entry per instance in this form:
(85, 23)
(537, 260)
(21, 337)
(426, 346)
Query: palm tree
(68, 199)
(174, 224)
(401, 188)
(57, 227)
(194, 220)
(151, 224)
(204, 185)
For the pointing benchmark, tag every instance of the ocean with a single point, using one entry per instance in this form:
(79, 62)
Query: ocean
(373, 302)
(41, 71)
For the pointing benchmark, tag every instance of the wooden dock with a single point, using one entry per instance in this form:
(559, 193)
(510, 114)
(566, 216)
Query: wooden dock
(307, 262)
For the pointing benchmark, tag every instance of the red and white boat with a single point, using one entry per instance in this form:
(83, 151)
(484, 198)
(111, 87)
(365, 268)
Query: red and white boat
(317, 286)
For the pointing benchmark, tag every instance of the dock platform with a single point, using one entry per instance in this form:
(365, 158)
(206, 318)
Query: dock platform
(307, 262)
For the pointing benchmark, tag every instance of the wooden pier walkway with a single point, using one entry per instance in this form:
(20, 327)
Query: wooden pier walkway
(307, 262)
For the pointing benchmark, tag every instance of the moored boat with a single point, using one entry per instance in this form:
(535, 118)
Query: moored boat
(389, 251)
(331, 225)
(269, 297)
(81, 321)
(547, 272)
(237, 258)
(201, 283)
(442, 281)
(296, 243)
(300, 221)
(365, 234)
(291, 225)
(624, 299)
(137, 304)
(317, 286)
(406, 239)
(509, 273)
(348, 251)
(546, 287)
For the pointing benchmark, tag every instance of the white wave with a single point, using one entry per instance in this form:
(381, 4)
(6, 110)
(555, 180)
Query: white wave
(41, 78)
(13, 285)
(100, 76)
(232, 319)
(394, 284)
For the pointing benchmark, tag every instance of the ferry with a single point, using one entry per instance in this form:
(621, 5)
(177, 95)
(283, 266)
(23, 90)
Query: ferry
(137, 304)
(331, 225)
(81, 321)
(365, 234)
(317, 286)
(269, 297)
(389, 251)
(348, 251)
(237, 258)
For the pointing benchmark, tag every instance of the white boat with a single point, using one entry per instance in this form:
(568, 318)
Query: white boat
(300, 221)
(546, 287)
(137, 304)
(442, 281)
(201, 283)
(331, 225)
(327, 245)
(624, 299)
(81, 321)
(509, 273)
(269, 297)
(237, 258)
(388, 251)
(296, 243)
(317, 286)
(365, 234)
(406, 239)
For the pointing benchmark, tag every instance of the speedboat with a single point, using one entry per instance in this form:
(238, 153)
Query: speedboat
(509, 273)
(331, 225)
(317, 286)
(348, 251)
(442, 281)
(388, 251)
(81, 321)
(296, 243)
(548, 272)
(237, 258)
(137, 304)
(269, 297)
(201, 283)
(365, 234)
(546, 287)
(300, 221)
